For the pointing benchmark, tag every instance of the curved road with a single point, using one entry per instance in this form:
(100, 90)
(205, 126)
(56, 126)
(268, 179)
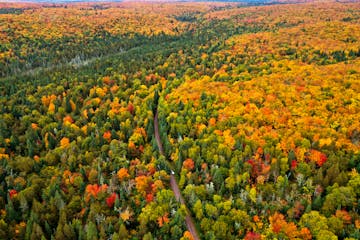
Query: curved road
(174, 186)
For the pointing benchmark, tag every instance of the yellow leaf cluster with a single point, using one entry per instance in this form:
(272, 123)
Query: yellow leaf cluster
(64, 142)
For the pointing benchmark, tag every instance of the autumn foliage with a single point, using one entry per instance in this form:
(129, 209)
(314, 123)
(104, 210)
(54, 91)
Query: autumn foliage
(258, 112)
(189, 164)
(92, 190)
(111, 200)
(123, 174)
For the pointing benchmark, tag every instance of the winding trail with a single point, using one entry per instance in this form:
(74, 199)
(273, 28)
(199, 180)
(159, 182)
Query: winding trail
(174, 186)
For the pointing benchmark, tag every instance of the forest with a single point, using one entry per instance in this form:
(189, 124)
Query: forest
(257, 108)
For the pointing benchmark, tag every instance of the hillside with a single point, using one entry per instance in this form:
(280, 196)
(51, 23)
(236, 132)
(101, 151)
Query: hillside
(133, 120)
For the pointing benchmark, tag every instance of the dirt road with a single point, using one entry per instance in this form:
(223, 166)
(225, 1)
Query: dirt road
(174, 186)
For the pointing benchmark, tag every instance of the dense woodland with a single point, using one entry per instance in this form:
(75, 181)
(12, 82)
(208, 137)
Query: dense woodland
(259, 112)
